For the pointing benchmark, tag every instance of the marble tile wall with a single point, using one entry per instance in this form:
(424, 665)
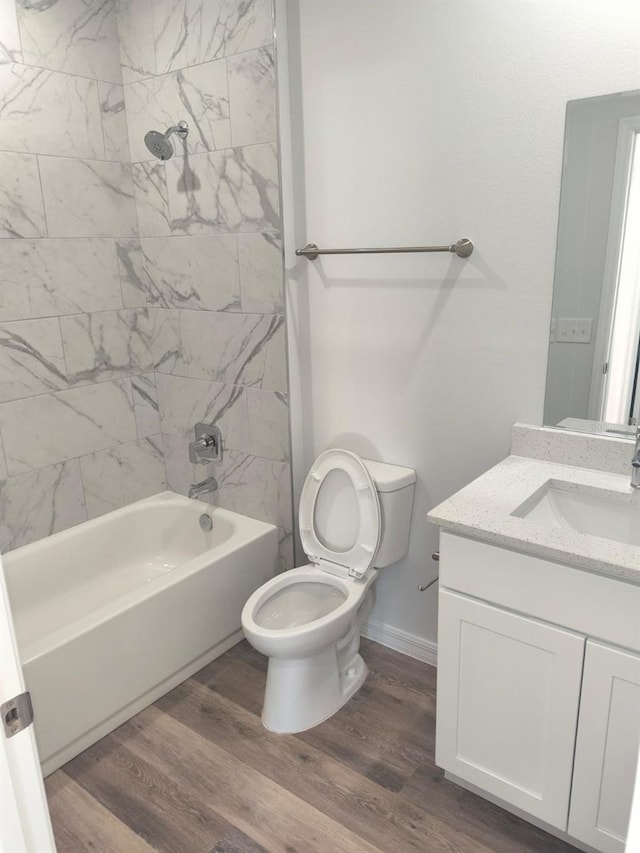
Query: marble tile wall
(138, 297)
(209, 250)
(79, 421)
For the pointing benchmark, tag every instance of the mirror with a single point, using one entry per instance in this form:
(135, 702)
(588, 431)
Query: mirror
(593, 381)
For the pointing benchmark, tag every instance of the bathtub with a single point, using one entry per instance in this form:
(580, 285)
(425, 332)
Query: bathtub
(111, 614)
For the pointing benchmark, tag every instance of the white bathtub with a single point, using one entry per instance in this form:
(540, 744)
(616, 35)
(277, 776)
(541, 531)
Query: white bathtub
(111, 614)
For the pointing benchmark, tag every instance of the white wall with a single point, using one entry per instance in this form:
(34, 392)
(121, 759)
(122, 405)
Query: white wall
(424, 122)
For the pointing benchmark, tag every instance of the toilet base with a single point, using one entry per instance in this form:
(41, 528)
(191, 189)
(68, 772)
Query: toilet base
(303, 693)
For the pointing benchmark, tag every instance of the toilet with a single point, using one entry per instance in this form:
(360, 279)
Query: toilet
(354, 518)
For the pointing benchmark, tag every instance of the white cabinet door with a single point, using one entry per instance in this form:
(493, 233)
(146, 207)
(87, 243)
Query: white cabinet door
(507, 705)
(606, 748)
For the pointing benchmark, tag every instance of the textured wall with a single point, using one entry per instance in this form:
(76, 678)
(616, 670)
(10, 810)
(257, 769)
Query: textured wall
(137, 298)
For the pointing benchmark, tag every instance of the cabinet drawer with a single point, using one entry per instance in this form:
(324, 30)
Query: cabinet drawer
(595, 605)
(507, 704)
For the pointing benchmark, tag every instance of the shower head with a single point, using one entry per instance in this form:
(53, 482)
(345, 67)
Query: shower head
(159, 144)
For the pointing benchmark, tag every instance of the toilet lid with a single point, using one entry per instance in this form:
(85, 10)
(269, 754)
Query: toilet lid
(357, 559)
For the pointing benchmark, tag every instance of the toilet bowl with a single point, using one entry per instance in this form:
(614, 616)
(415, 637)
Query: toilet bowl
(354, 518)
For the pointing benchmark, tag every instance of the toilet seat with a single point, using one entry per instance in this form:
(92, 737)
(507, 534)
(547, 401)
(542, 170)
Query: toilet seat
(299, 641)
(355, 561)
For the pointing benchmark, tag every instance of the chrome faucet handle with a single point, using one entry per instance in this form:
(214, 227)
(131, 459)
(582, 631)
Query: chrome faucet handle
(207, 445)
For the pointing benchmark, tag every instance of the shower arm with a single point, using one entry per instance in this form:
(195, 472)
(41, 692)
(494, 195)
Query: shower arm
(182, 129)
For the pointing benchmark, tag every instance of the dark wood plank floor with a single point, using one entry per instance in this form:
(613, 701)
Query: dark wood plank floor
(198, 772)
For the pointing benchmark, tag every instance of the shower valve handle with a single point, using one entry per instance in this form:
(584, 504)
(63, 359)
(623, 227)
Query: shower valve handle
(207, 445)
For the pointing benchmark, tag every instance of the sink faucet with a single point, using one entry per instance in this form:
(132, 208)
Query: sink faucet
(635, 462)
(206, 486)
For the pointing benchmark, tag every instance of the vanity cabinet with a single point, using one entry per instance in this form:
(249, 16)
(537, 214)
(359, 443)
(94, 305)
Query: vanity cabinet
(538, 705)
(608, 738)
(513, 685)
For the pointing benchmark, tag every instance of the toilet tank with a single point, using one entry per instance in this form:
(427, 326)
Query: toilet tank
(395, 485)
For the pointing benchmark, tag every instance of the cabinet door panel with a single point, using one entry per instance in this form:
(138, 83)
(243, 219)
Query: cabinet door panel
(606, 748)
(508, 694)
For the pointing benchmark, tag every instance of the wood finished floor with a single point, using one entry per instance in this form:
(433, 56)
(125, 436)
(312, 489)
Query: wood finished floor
(196, 771)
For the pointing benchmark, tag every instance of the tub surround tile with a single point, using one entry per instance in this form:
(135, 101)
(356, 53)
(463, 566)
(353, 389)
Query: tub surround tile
(243, 25)
(21, 206)
(43, 112)
(43, 430)
(185, 402)
(133, 274)
(234, 190)
(252, 96)
(135, 30)
(3, 466)
(88, 198)
(122, 259)
(10, 47)
(110, 344)
(286, 558)
(268, 424)
(173, 39)
(43, 278)
(225, 27)
(166, 341)
(198, 95)
(192, 31)
(152, 201)
(114, 121)
(73, 36)
(253, 486)
(145, 404)
(39, 503)
(31, 358)
(192, 272)
(235, 349)
(14, 299)
(204, 94)
(261, 279)
(121, 475)
(179, 471)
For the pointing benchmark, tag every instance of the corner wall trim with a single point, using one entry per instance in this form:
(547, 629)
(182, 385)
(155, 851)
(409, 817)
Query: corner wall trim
(401, 641)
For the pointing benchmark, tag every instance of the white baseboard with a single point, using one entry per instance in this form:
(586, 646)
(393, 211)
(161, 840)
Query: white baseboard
(401, 641)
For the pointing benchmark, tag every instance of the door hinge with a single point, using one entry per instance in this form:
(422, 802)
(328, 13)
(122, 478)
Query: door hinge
(17, 714)
(605, 367)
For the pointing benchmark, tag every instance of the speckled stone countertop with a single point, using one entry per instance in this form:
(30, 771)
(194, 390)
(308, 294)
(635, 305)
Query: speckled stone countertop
(483, 510)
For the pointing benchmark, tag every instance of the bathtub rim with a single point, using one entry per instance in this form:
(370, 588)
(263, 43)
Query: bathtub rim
(164, 497)
(97, 616)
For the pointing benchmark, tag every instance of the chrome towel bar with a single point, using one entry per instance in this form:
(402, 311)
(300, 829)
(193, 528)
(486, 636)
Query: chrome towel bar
(463, 248)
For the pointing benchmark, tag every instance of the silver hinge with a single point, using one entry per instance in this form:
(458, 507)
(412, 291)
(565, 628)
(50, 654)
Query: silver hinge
(605, 367)
(17, 714)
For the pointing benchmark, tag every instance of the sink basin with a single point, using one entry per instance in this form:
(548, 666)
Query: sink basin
(584, 509)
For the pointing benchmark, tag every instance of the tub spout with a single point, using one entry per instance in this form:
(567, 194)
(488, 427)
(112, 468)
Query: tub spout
(203, 488)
